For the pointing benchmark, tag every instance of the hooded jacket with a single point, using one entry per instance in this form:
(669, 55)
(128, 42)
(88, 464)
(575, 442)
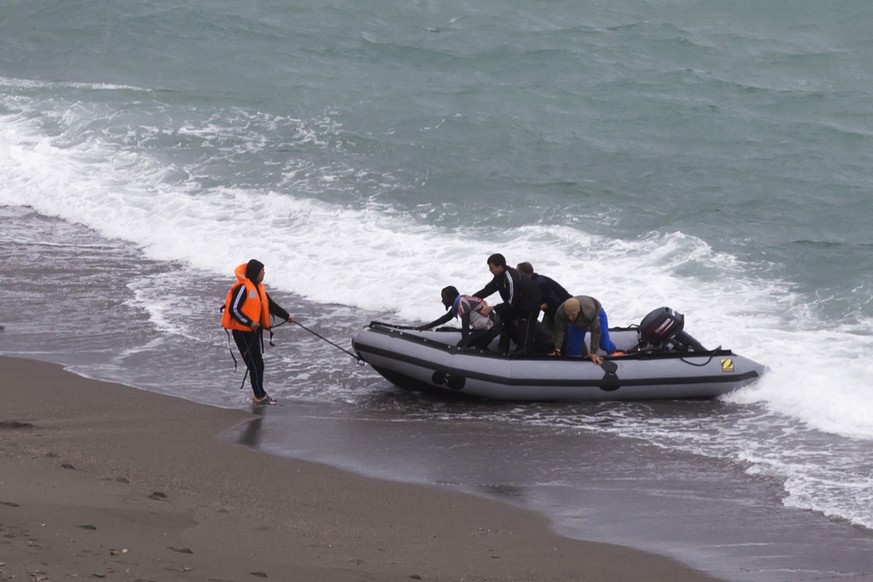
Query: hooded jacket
(247, 302)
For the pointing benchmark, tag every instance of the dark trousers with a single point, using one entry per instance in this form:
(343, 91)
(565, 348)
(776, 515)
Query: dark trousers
(481, 338)
(518, 327)
(507, 316)
(249, 345)
(527, 328)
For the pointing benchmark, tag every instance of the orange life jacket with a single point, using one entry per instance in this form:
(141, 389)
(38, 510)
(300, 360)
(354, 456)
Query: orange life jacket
(256, 306)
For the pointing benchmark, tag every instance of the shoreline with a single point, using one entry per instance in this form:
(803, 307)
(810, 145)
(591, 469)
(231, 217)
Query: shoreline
(101, 479)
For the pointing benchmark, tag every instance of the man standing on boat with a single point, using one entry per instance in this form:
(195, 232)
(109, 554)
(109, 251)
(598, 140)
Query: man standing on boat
(552, 293)
(521, 302)
(574, 318)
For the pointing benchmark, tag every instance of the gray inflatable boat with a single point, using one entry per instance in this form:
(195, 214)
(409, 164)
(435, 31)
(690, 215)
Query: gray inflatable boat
(660, 361)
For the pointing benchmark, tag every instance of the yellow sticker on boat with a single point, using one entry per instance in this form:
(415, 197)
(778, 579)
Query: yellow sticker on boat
(727, 365)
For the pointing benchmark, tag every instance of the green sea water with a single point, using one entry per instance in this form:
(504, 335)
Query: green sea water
(711, 156)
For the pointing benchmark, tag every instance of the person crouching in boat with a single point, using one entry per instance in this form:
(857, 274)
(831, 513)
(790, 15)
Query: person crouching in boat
(479, 324)
(246, 313)
(573, 319)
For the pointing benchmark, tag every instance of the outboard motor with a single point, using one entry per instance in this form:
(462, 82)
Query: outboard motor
(663, 330)
(660, 325)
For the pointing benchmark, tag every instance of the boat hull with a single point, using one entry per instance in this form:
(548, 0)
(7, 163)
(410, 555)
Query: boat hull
(429, 361)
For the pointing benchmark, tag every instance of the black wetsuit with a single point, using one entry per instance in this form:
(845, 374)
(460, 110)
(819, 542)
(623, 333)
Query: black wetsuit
(520, 307)
(552, 294)
(250, 343)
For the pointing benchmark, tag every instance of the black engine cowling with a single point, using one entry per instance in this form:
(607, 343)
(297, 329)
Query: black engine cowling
(661, 325)
(663, 329)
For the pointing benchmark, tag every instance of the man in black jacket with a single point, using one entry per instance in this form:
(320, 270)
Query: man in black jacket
(521, 302)
(552, 293)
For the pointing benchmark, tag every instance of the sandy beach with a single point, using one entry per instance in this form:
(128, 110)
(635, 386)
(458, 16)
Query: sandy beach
(104, 481)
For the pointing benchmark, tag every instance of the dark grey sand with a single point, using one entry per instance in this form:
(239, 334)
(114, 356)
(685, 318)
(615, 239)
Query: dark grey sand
(102, 481)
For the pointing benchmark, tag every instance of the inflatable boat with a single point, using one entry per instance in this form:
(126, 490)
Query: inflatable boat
(656, 360)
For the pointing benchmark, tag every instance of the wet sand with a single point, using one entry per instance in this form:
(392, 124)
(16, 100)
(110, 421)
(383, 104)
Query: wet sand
(102, 480)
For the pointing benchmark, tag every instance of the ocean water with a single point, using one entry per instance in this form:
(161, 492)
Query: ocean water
(712, 157)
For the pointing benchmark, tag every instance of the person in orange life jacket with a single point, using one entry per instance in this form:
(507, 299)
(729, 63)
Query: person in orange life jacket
(574, 318)
(479, 324)
(247, 312)
(521, 302)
